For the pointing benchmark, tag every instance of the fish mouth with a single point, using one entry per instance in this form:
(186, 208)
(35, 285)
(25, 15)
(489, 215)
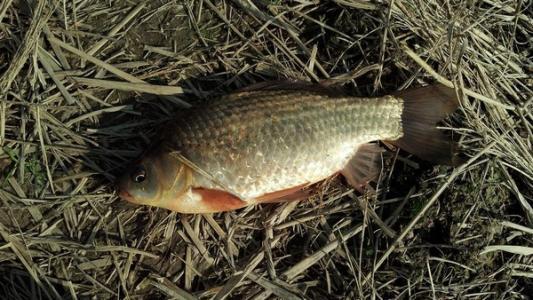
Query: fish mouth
(126, 196)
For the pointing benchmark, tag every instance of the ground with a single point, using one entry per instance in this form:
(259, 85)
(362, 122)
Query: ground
(86, 86)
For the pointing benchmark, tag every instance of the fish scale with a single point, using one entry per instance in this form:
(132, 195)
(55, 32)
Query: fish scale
(268, 143)
(254, 143)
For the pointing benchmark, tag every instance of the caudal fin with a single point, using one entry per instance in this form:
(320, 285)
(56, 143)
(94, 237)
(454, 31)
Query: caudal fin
(423, 108)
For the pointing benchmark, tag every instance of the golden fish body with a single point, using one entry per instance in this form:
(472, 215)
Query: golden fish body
(255, 143)
(256, 146)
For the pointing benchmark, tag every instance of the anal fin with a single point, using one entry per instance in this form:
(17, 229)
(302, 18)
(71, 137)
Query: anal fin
(364, 166)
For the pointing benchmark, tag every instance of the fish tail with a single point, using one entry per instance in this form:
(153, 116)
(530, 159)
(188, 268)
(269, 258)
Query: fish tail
(423, 108)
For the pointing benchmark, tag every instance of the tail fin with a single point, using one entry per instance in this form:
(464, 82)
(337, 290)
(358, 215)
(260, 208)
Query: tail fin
(423, 108)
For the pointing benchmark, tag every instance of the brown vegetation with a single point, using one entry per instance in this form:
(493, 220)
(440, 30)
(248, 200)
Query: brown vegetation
(85, 85)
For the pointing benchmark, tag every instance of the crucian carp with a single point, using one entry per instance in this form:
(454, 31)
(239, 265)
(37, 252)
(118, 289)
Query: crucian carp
(270, 143)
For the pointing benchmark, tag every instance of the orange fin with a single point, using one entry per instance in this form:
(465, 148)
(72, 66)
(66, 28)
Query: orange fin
(364, 166)
(287, 195)
(217, 200)
(423, 108)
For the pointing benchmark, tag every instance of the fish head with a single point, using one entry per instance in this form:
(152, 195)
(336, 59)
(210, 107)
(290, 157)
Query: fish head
(156, 179)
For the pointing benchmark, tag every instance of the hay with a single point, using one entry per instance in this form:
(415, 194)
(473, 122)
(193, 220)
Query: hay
(84, 86)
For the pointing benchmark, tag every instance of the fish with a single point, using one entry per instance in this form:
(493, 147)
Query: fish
(271, 142)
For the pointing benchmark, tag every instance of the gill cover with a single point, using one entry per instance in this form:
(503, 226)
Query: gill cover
(156, 179)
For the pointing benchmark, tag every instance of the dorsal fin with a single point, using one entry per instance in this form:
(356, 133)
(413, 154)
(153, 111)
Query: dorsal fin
(292, 85)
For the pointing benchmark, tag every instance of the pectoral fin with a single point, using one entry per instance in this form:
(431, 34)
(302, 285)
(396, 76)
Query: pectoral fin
(212, 201)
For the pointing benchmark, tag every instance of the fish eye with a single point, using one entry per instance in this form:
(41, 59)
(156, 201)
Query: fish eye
(139, 175)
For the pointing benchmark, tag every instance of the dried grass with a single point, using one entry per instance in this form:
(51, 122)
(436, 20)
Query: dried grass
(84, 86)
